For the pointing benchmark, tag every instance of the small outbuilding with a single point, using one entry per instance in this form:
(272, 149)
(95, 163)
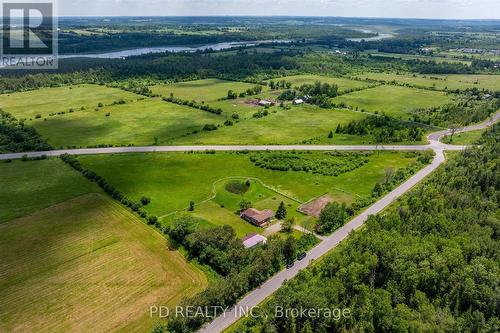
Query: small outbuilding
(253, 240)
(298, 101)
(257, 217)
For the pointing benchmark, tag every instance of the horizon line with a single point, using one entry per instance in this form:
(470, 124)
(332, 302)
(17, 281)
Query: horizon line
(283, 16)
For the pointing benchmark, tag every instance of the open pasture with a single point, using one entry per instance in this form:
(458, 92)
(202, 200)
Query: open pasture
(26, 187)
(86, 261)
(207, 90)
(392, 100)
(137, 123)
(172, 180)
(47, 101)
(304, 123)
(441, 82)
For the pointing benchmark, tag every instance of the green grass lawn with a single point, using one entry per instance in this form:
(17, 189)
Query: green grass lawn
(466, 138)
(53, 100)
(87, 265)
(394, 100)
(132, 123)
(140, 122)
(305, 123)
(207, 90)
(451, 81)
(26, 187)
(343, 83)
(172, 180)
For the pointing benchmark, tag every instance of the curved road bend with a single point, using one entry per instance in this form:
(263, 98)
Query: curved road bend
(255, 297)
(436, 136)
(258, 295)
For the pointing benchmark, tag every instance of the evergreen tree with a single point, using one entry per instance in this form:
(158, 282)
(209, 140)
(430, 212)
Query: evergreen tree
(281, 212)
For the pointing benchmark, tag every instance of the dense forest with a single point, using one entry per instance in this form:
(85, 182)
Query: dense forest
(429, 264)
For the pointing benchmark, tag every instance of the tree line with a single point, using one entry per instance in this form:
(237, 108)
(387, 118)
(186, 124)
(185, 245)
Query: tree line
(383, 129)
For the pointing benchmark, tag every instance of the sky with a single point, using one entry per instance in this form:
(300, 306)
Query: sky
(445, 9)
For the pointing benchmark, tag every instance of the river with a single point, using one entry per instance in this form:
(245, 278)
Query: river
(161, 49)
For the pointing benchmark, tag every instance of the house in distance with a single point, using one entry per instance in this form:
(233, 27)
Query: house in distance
(257, 217)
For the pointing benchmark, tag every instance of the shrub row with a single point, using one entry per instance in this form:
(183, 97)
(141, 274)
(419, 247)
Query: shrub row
(135, 207)
(192, 104)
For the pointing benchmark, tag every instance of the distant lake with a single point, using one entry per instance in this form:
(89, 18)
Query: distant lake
(161, 49)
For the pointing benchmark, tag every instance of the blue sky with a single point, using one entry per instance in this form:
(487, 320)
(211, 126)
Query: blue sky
(448, 9)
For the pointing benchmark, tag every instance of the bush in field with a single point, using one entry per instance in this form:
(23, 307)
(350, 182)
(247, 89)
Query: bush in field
(209, 127)
(145, 200)
(237, 187)
(245, 204)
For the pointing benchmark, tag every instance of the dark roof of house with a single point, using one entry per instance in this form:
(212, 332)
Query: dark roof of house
(257, 215)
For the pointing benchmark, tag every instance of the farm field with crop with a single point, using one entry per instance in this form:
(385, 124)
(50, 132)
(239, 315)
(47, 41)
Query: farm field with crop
(26, 187)
(91, 259)
(46, 101)
(395, 101)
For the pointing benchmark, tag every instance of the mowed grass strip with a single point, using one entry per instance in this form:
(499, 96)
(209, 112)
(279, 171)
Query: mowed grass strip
(26, 187)
(207, 90)
(451, 81)
(137, 123)
(343, 83)
(392, 100)
(53, 100)
(87, 265)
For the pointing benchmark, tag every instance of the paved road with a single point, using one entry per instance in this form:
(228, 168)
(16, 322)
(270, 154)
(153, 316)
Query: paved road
(438, 135)
(150, 149)
(255, 297)
(433, 139)
(258, 295)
